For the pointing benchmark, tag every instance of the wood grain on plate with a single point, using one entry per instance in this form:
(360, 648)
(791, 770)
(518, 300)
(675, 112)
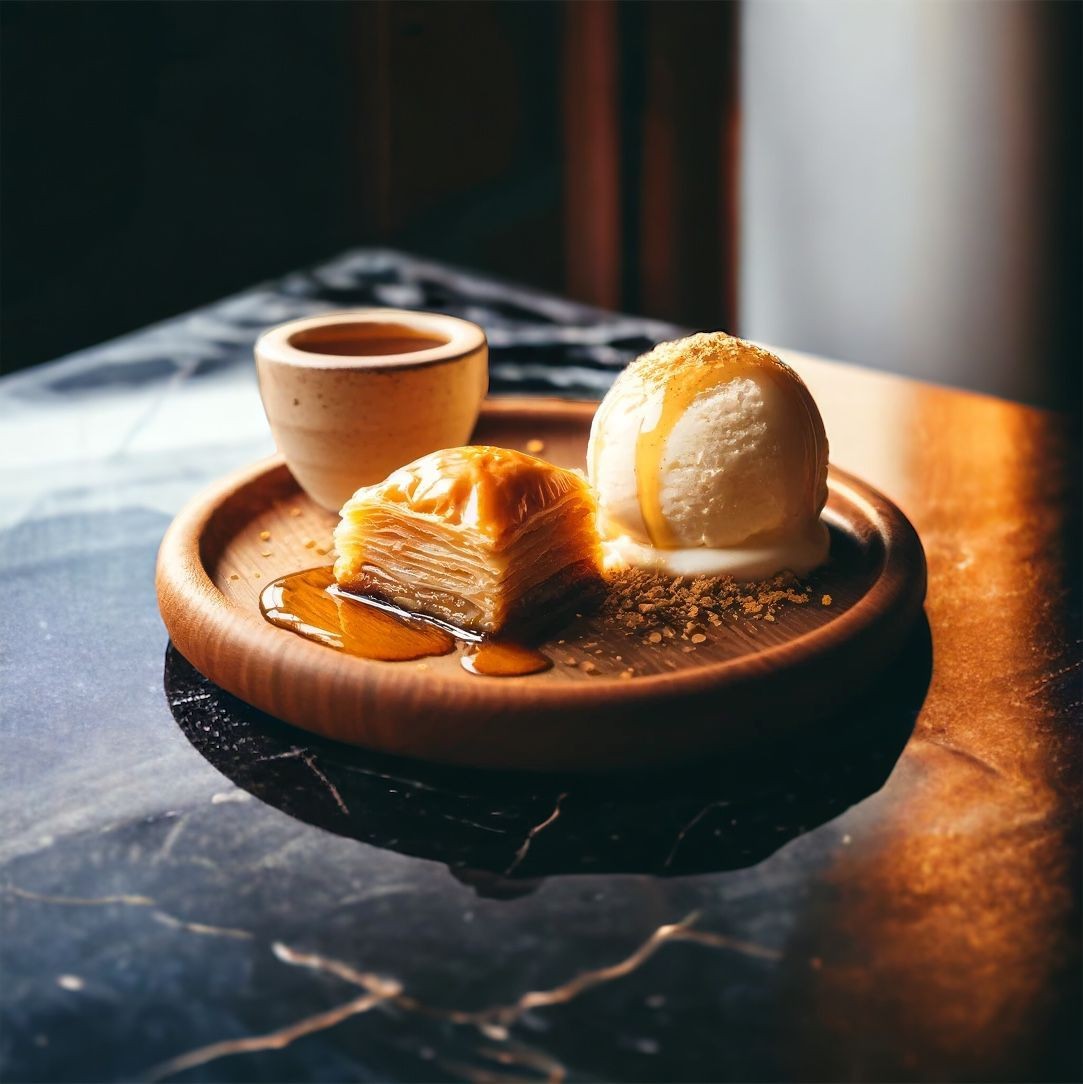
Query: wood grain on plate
(753, 682)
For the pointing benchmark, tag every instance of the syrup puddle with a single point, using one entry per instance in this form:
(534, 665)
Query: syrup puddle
(311, 605)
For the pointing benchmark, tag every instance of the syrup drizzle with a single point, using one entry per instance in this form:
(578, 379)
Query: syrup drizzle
(311, 605)
(503, 658)
(681, 388)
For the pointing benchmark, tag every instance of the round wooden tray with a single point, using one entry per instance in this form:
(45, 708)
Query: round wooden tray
(753, 682)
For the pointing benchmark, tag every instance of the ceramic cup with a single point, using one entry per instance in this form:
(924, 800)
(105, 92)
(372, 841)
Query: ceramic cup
(351, 396)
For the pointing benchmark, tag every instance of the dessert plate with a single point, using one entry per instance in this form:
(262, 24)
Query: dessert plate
(752, 683)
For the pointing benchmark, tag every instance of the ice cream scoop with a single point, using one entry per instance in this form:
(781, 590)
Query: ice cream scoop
(709, 457)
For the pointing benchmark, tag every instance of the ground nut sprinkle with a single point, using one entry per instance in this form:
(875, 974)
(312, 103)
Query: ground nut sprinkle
(656, 607)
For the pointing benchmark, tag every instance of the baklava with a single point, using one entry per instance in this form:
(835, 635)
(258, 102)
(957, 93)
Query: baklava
(486, 539)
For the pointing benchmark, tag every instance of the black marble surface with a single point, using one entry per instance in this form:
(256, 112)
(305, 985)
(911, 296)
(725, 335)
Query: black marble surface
(192, 891)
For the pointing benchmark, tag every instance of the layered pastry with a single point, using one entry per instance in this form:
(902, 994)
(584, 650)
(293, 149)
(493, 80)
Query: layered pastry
(486, 539)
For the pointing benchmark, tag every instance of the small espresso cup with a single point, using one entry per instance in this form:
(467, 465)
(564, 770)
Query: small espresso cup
(351, 396)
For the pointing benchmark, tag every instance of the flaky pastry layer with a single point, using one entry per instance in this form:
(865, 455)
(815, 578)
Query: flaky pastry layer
(484, 538)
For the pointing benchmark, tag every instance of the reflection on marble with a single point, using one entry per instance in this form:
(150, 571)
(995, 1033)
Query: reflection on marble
(503, 832)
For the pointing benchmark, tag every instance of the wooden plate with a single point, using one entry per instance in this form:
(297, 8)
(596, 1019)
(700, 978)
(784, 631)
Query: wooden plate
(752, 682)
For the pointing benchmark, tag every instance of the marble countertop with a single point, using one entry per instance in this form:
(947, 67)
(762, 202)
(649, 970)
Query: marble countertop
(191, 891)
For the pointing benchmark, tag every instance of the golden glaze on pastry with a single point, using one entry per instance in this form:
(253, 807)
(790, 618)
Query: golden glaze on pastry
(482, 537)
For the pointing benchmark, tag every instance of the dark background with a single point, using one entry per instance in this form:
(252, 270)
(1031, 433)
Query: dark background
(160, 155)
(157, 156)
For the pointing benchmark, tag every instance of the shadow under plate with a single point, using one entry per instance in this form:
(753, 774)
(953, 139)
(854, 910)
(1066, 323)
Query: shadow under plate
(502, 832)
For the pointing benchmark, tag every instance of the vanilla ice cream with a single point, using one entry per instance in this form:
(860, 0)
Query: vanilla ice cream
(709, 457)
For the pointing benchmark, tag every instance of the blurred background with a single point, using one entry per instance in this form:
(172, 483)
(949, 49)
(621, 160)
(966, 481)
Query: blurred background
(895, 184)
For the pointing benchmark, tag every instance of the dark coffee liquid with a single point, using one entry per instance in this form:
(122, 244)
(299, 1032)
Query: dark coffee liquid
(362, 340)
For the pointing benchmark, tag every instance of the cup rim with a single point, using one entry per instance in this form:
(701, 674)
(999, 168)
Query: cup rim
(463, 339)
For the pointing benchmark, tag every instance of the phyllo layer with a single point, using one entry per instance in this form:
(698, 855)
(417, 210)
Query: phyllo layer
(485, 538)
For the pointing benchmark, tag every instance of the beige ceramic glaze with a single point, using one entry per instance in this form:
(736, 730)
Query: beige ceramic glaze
(351, 396)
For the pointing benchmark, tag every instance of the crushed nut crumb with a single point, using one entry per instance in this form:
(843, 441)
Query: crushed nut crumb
(657, 608)
(264, 536)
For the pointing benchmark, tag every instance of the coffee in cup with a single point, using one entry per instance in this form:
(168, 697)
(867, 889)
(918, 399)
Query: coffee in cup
(351, 396)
